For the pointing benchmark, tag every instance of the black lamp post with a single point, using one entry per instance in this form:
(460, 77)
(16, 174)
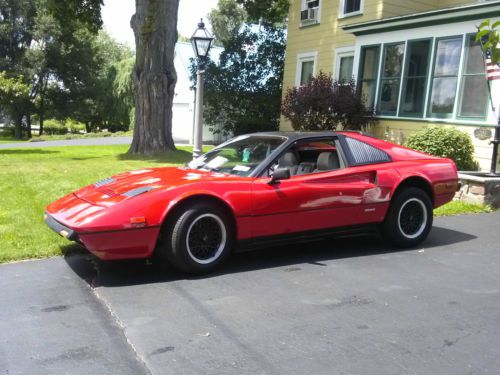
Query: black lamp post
(202, 42)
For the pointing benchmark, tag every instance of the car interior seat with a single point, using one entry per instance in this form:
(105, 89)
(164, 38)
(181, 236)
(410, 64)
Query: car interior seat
(290, 162)
(327, 161)
(305, 168)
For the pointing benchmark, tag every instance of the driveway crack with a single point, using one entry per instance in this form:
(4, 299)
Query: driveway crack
(121, 326)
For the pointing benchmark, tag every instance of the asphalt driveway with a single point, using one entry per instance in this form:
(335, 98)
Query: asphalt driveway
(337, 306)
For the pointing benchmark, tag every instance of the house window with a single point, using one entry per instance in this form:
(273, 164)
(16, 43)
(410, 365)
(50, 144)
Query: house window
(368, 72)
(390, 80)
(350, 8)
(306, 72)
(309, 14)
(415, 78)
(306, 68)
(344, 60)
(436, 78)
(445, 77)
(345, 68)
(474, 87)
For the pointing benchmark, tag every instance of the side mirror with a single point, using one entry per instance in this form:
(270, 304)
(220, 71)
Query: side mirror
(279, 174)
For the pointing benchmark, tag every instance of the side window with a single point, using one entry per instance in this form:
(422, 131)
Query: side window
(306, 67)
(364, 153)
(368, 71)
(310, 156)
(350, 8)
(391, 78)
(445, 77)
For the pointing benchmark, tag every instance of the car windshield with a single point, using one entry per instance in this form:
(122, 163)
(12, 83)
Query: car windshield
(239, 156)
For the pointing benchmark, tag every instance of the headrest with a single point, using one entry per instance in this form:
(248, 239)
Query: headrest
(328, 161)
(288, 160)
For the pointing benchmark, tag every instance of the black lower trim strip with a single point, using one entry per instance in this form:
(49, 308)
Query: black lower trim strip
(119, 230)
(287, 238)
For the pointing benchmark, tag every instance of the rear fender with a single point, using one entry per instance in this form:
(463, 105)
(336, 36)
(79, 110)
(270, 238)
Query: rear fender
(415, 179)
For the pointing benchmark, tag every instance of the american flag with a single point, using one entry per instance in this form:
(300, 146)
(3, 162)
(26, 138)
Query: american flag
(492, 69)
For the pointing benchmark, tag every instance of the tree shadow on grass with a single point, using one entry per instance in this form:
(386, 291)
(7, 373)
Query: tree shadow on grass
(26, 151)
(172, 157)
(320, 253)
(86, 158)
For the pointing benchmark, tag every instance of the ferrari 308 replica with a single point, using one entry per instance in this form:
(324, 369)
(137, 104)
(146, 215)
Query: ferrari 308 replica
(258, 190)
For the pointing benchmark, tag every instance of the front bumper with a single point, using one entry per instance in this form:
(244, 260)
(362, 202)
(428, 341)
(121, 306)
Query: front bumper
(60, 229)
(111, 245)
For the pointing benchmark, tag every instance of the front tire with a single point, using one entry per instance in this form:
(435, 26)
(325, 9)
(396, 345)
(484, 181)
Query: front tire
(409, 219)
(199, 239)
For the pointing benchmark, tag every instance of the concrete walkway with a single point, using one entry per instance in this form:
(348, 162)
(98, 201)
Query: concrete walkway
(79, 142)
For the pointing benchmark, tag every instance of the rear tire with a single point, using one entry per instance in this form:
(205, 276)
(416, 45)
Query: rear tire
(199, 238)
(409, 219)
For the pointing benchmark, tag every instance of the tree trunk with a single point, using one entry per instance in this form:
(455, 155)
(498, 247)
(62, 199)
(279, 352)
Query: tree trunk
(28, 125)
(42, 106)
(40, 129)
(155, 30)
(18, 130)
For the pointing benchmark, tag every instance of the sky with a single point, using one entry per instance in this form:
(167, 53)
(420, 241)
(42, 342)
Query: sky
(116, 16)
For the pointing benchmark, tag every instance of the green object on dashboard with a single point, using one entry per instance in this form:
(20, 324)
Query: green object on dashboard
(246, 155)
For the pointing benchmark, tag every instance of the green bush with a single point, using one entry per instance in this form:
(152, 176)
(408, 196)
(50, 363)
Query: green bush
(53, 126)
(445, 142)
(8, 131)
(324, 103)
(74, 127)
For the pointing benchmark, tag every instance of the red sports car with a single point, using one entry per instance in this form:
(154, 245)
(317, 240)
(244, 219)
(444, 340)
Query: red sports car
(256, 190)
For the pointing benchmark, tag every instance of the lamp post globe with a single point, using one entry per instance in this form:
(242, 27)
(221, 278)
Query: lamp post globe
(202, 42)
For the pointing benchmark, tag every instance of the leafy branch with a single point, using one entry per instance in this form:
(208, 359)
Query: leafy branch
(489, 34)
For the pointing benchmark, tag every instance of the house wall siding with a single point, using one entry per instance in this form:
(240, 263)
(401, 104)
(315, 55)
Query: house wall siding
(328, 35)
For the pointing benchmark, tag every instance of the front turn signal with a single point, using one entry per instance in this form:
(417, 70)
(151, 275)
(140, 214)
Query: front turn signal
(138, 222)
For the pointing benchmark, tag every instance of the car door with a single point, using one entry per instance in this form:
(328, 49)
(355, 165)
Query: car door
(308, 202)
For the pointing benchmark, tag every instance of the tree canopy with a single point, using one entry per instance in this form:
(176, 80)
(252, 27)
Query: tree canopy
(54, 48)
(226, 19)
(243, 89)
(274, 11)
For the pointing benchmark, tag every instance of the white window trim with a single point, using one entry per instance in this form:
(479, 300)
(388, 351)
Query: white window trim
(379, 72)
(304, 57)
(402, 76)
(304, 7)
(346, 15)
(341, 52)
(430, 70)
(458, 89)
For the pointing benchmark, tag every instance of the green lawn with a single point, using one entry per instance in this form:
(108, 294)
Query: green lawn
(11, 140)
(58, 137)
(32, 178)
(459, 208)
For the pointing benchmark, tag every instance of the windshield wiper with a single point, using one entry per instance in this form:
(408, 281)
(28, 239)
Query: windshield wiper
(207, 167)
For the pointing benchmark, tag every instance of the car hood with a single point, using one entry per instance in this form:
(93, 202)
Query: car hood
(118, 188)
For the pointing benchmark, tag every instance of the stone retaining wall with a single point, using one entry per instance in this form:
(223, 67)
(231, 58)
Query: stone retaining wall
(477, 188)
